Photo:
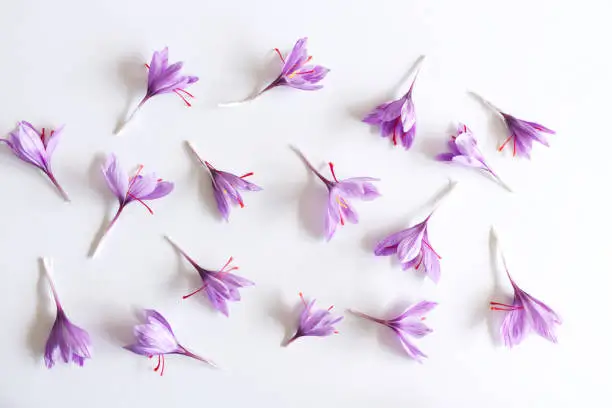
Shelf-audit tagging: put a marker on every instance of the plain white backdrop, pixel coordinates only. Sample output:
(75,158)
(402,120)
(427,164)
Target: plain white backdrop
(82,64)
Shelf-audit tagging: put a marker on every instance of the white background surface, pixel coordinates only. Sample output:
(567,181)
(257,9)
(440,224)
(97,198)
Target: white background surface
(81,64)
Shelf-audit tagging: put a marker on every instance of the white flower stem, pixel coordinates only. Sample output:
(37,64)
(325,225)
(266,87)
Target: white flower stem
(98,244)
(131,116)
(410,78)
(188,353)
(59,188)
(498,179)
(195,152)
(443,195)
(48,268)
(487,103)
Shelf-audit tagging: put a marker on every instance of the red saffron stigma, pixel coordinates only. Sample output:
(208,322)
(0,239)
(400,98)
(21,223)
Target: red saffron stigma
(52,132)
(158,363)
(308,59)
(341,220)
(330,308)
(241,204)
(302,297)
(249,174)
(142,202)
(336,332)
(433,250)
(194,292)
(504,144)
(183,98)
(305,72)
(279,55)
(163,365)
(42,135)
(331,167)
(147,65)
(419,264)
(185,92)
(423,318)
(514,147)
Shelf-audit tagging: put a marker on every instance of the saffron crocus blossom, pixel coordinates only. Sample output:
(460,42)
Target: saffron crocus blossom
(339,208)
(139,188)
(156,338)
(397,119)
(525,314)
(36,148)
(164,78)
(66,340)
(413,248)
(220,286)
(319,323)
(297,72)
(407,324)
(522,133)
(226,186)
(464,151)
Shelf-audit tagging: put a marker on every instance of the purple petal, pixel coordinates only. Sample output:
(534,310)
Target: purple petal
(26,143)
(162,189)
(410,246)
(431,264)
(52,140)
(410,348)
(389,244)
(414,328)
(446,157)
(407,138)
(142,186)
(417,310)
(297,57)
(116,178)
(513,328)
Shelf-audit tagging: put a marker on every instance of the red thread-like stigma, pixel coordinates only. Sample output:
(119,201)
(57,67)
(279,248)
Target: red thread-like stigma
(187,103)
(505,143)
(249,174)
(280,55)
(433,250)
(331,167)
(302,297)
(194,292)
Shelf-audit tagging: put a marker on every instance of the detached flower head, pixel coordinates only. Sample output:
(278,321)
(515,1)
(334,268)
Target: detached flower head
(139,188)
(156,338)
(408,324)
(522,133)
(396,119)
(339,209)
(66,340)
(164,78)
(413,248)
(319,323)
(297,72)
(524,315)
(220,286)
(227,186)
(464,151)
(36,148)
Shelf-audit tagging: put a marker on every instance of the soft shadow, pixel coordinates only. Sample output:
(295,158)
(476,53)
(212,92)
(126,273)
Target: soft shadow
(286,315)
(311,208)
(494,318)
(185,272)
(496,121)
(131,69)
(120,330)
(432,144)
(203,177)
(43,320)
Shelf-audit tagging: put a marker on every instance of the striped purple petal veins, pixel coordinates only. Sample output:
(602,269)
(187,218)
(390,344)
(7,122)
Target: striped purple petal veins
(315,322)
(155,338)
(297,72)
(226,186)
(66,341)
(524,315)
(220,286)
(339,209)
(407,324)
(162,79)
(36,148)
(138,188)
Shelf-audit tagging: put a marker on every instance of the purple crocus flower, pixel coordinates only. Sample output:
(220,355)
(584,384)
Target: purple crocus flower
(220,286)
(407,324)
(396,119)
(525,314)
(521,132)
(66,340)
(339,208)
(296,72)
(156,338)
(464,151)
(226,186)
(319,323)
(164,78)
(138,188)
(36,148)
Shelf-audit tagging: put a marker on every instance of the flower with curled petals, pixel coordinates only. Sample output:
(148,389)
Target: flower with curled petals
(226,186)
(36,148)
(524,315)
(220,286)
(407,324)
(162,79)
(318,323)
(397,119)
(297,72)
(156,338)
(464,151)
(339,208)
(521,133)
(66,340)
(413,248)
(139,188)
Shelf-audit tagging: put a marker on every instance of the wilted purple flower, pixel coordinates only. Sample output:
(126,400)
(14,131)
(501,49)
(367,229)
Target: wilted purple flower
(525,314)
(36,148)
(464,151)
(319,323)
(296,72)
(66,340)
(138,188)
(156,338)
(396,119)
(220,286)
(522,133)
(164,78)
(408,323)
(226,186)
(340,191)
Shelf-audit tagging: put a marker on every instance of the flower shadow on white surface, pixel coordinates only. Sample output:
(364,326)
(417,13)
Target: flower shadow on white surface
(132,71)
(312,207)
(184,279)
(204,184)
(119,328)
(287,315)
(43,319)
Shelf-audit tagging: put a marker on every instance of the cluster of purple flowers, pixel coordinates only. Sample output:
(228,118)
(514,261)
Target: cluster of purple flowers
(413,247)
